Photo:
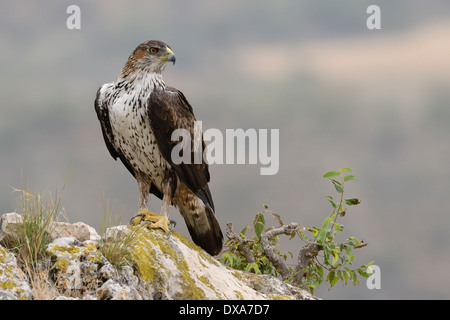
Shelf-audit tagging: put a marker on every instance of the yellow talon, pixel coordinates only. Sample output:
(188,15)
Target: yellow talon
(156,220)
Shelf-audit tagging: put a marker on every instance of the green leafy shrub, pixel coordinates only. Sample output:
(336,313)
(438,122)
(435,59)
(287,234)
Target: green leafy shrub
(321,260)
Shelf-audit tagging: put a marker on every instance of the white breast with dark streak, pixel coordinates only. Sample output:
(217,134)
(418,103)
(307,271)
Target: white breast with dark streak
(132,132)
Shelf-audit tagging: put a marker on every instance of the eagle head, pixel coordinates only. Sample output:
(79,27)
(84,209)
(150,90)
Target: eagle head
(150,56)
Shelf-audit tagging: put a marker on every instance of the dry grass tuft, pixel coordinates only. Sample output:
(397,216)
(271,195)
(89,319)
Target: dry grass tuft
(116,245)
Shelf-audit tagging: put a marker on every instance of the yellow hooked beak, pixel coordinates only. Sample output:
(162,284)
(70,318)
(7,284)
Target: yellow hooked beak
(169,56)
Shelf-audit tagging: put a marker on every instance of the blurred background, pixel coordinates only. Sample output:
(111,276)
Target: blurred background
(340,94)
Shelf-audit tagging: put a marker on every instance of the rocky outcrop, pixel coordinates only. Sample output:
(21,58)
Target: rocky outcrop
(161,266)
(13,281)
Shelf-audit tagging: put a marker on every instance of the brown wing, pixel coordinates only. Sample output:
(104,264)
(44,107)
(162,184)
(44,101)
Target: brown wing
(169,110)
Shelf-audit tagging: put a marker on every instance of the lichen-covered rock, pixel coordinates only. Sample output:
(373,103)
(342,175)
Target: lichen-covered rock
(13,282)
(175,268)
(161,266)
(77,264)
(273,288)
(79,269)
(78,230)
(8,223)
(112,290)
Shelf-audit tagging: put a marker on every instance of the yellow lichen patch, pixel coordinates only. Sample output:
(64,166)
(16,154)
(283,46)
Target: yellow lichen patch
(90,245)
(201,262)
(158,262)
(96,257)
(239,295)
(280,297)
(92,253)
(2,255)
(62,264)
(143,253)
(237,275)
(7,285)
(71,251)
(207,283)
(4,266)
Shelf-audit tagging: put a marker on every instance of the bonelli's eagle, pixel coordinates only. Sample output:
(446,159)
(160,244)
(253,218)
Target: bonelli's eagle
(138,114)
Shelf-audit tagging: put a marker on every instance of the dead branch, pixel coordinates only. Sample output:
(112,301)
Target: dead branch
(305,257)
(277,261)
(242,244)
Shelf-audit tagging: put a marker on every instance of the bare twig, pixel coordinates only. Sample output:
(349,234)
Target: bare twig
(277,261)
(305,256)
(242,244)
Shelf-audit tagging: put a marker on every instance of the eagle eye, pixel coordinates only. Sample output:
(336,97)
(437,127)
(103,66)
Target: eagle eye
(153,50)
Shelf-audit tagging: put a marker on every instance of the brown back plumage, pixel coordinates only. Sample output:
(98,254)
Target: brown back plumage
(169,110)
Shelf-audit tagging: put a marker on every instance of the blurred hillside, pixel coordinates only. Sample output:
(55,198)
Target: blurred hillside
(341,95)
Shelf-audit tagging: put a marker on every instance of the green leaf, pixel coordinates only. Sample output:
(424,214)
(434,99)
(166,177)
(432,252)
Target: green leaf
(354,239)
(335,257)
(350,177)
(313,230)
(363,273)
(331,200)
(337,186)
(229,257)
(354,277)
(259,224)
(346,169)
(349,250)
(345,277)
(278,218)
(320,271)
(326,222)
(352,201)
(338,227)
(292,235)
(330,275)
(243,232)
(322,235)
(332,278)
(331,174)
(252,266)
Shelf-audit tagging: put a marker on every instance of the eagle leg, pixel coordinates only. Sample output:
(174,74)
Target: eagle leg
(150,219)
(167,201)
